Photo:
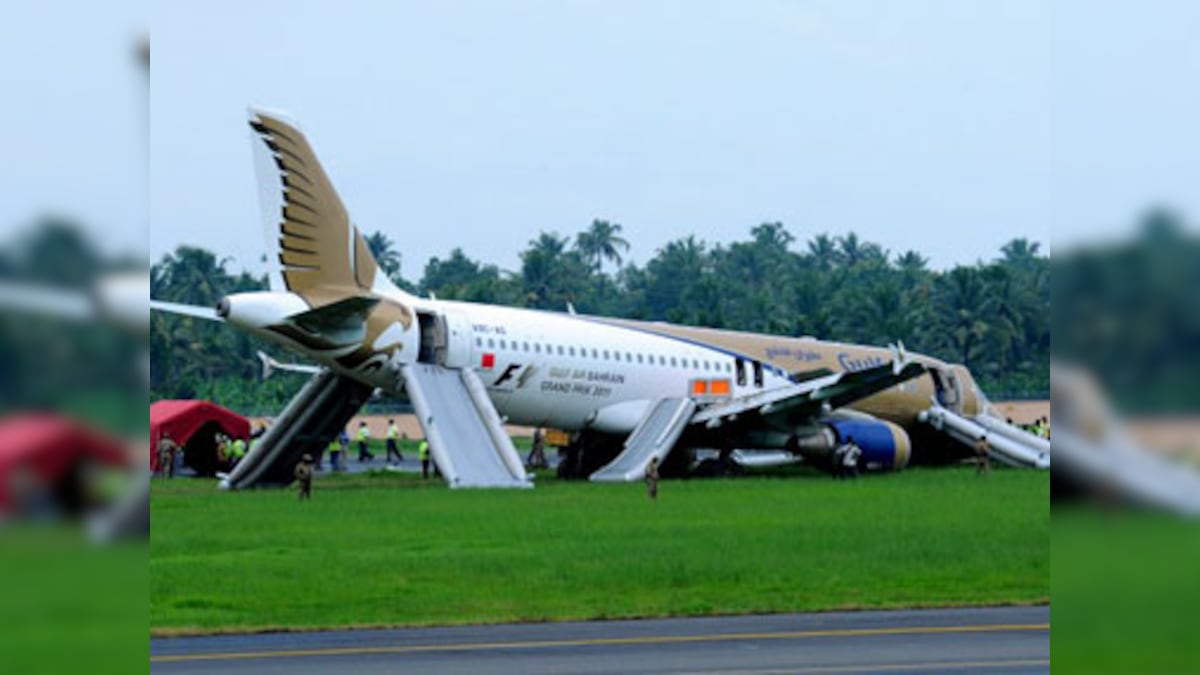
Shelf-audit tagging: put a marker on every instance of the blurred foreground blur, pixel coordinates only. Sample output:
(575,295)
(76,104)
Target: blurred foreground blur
(74,519)
(74,313)
(1126,444)
(1126,332)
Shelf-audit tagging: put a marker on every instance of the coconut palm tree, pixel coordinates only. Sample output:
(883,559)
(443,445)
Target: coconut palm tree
(385,254)
(825,252)
(601,242)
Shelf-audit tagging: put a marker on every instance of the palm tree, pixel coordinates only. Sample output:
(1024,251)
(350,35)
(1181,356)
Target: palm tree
(962,304)
(601,242)
(386,255)
(1021,254)
(551,274)
(912,263)
(823,249)
(855,251)
(190,275)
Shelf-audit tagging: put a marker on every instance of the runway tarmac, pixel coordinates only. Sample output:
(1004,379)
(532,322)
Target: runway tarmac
(991,640)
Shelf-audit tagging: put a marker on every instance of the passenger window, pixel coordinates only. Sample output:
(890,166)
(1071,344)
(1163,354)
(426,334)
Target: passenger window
(673,363)
(478,342)
(571,351)
(491,343)
(525,345)
(595,354)
(560,350)
(662,360)
(503,344)
(639,358)
(695,364)
(605,354)
(537,348)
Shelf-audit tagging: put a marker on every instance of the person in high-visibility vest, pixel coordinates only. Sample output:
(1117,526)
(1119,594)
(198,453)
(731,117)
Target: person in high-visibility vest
(393,433)
(363,434)
(339,447)
(237,450)
(423,454)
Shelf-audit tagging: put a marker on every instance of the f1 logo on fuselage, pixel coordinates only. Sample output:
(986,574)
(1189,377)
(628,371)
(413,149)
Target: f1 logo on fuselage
(513,377)
(507,375)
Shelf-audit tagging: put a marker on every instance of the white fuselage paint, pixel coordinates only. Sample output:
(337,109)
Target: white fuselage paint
(565,371)
(571,372)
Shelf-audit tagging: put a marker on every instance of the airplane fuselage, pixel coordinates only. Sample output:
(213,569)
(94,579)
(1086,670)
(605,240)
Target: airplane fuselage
(579,372)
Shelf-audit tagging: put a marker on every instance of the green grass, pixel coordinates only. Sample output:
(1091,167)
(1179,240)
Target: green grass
(389,550)
(1127,588)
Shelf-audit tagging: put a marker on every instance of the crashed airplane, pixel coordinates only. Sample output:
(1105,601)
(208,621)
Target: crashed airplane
(633,391)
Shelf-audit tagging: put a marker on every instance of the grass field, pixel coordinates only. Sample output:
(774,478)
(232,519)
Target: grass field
(388,550)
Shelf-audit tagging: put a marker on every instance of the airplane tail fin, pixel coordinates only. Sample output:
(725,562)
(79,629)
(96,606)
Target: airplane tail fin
(313,248)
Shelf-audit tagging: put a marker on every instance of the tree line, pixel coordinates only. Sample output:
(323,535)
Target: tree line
(993,316)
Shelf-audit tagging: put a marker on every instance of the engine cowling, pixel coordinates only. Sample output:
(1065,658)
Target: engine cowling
(885,446)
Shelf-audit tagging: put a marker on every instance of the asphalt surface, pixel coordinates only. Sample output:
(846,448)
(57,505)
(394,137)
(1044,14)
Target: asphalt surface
(991,640)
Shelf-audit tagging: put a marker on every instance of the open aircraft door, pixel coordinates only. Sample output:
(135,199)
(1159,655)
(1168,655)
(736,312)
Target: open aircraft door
(459,347)
(948,389)
(445,339)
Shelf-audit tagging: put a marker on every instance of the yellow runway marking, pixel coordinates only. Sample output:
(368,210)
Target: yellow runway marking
(894,667)
(646,640)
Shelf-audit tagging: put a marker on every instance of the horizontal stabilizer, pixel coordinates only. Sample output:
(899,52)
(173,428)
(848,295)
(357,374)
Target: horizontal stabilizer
(341,315)
(270,365)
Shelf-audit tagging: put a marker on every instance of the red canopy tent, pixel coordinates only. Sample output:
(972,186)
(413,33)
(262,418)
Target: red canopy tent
(182,420)
(47,448)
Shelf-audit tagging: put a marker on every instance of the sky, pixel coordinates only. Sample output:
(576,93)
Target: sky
(945,127)
(73,127)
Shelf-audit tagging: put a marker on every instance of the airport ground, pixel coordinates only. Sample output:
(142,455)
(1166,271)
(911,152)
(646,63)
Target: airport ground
(388,549)
(993,639)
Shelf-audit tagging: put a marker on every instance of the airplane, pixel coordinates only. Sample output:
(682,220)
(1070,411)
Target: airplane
(630,391)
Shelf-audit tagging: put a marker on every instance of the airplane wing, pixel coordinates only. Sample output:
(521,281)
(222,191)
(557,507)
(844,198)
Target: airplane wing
(803,401)
(206,313)
(67,304)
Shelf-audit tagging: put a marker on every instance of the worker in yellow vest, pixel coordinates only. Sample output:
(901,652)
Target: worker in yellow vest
(393,434)
(237,450)
(423,454)
(339,447)
(363,434)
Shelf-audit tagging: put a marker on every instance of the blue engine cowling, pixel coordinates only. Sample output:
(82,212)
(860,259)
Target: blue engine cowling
(885,446)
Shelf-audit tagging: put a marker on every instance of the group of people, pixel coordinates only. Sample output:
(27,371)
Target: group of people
(230,451)
(339,447)
(1040,428)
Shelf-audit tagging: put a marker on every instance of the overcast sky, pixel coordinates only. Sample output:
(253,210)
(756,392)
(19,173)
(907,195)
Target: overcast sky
(73,137)
(946,127)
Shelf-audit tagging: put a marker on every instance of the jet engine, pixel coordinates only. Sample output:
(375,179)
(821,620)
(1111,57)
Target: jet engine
(885,446)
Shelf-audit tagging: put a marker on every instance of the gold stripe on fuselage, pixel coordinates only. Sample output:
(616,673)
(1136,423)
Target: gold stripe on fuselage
(900,404)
